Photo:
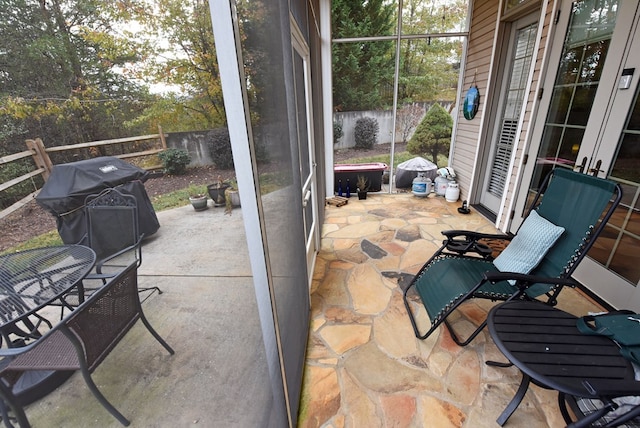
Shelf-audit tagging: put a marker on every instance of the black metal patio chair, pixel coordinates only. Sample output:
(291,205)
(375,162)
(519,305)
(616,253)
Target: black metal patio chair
(80,341)
(564,220)
(113,233)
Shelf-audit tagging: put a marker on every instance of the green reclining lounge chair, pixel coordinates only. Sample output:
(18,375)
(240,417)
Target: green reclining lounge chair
(463,268)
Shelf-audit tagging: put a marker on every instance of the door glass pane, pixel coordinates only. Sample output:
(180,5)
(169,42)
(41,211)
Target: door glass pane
(581,105)
(584,53)
(301,116)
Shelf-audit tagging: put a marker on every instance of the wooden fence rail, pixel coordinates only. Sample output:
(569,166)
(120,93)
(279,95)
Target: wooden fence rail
(44,165)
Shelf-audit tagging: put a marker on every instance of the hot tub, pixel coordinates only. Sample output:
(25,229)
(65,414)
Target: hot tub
(350,171)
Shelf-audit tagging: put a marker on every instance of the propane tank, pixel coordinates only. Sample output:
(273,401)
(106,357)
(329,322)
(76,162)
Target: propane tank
(421,185)
(441,185)
(453,192)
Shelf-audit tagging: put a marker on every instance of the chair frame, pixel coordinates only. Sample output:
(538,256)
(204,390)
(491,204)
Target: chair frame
(109,199)
(469,244)
(607,391)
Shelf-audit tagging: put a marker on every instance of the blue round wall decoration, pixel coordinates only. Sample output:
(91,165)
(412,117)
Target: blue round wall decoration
(471,103)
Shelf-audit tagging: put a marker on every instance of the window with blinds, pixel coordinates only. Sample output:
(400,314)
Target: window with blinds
(512,108)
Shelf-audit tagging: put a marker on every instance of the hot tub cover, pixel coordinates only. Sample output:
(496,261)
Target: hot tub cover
(408,170)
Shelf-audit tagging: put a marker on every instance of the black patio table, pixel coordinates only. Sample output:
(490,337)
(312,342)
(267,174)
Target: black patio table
(29,281)
(545,344)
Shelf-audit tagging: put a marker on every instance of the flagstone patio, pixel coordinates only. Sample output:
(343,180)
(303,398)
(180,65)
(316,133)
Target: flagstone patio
(365,367)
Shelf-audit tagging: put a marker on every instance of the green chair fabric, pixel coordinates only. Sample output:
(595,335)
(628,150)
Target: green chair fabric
(460,270)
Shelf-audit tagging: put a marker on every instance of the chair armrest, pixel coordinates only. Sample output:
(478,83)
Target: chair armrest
(134,247)
(525,280)
(466,241)
(471,235)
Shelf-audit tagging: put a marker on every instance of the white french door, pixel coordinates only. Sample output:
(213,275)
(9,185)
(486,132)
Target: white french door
(613,269)
(592,125)
(521,48)
(306,151)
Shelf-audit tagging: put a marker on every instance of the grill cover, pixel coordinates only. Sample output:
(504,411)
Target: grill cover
(69,184)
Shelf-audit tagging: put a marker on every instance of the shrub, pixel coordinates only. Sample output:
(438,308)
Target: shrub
(366,133)
(433,134)
(220,148)
(337,131)
(175,161)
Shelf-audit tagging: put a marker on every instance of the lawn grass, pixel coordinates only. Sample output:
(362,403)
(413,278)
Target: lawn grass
(177,198)
(45,240)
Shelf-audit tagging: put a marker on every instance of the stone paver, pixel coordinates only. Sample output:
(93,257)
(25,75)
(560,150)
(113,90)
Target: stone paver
(365,367)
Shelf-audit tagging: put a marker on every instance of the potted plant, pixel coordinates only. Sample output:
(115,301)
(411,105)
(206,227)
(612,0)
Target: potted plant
(217,192)
(232,196)
(198,201)
(362,186)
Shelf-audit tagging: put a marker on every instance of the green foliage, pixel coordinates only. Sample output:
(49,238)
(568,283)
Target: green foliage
(48,239)
(337,131)
(429,68)
(186,65)
(433,134)
(175,161)
(220,148)
(62,76)
(177,198)
(12,170)
(366,133)
(361,70)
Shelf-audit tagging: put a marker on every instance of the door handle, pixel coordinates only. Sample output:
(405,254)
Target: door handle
(306,199)
(582,165)
(596,170)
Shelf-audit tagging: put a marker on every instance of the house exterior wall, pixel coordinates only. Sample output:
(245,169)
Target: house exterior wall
(482,35)
(484,68)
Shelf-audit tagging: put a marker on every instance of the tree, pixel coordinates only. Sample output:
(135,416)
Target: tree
(429,68)
(60,72)
(408,118)
(362,70)
(433,135)
(183,59)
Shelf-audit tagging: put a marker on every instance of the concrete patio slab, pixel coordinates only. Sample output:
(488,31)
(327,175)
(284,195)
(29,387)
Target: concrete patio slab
(207,313)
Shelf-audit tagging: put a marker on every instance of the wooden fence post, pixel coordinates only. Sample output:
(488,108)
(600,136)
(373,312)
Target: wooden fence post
(40,156)
(162,139)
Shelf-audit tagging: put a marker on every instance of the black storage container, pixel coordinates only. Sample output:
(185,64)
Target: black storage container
(69,184)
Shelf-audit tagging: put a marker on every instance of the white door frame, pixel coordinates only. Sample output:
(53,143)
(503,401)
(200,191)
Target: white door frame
(309,184)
